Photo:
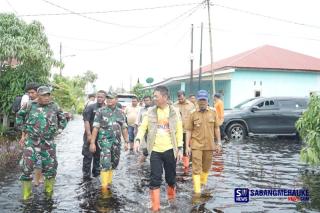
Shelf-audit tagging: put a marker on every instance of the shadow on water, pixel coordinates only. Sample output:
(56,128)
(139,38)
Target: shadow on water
(254,163)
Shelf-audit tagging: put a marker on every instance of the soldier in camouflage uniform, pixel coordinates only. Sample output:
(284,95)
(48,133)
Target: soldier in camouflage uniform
(109,123)
(40,122)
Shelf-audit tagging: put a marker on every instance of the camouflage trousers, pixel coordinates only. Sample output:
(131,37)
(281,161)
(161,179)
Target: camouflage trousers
(46,150)
(110,153)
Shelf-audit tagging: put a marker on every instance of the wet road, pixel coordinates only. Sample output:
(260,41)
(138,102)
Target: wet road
(255,163)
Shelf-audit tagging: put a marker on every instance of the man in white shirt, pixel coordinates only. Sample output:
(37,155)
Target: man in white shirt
(131,113)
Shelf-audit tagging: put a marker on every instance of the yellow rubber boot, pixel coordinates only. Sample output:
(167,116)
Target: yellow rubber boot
(48,186)
(196,184)
(110,174)
(104,179)
(26,189)
(204,178)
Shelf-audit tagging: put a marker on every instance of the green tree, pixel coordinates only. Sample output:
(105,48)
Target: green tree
(25,56)
(69,92)
(308,127)
(139,91)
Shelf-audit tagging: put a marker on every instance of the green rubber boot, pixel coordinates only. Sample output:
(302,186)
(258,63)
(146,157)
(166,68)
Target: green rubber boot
(48,186)
(26,189)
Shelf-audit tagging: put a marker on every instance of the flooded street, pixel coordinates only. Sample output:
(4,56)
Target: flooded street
(255,163)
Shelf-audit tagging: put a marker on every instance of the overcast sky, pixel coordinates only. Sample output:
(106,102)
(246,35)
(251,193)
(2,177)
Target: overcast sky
(120,44)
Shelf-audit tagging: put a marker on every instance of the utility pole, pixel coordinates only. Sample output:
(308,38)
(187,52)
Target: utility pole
(200,69)
(60,59)
(191,62)
(211,51)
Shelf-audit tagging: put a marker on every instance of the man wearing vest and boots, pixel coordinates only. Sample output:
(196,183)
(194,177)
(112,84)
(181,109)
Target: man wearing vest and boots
(164,144)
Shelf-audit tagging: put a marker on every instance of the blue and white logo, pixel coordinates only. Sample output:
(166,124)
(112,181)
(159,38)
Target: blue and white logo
(241,195)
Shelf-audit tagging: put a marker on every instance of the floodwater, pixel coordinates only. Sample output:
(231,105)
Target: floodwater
(255,164)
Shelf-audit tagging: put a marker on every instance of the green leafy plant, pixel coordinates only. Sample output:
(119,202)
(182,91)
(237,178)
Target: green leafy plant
(140,92)
(308,127)
(69,92)
(25,56)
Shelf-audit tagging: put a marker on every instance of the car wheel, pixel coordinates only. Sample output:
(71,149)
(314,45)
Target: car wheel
(236,132)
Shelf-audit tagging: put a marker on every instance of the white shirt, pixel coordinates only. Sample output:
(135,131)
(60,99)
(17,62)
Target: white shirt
(24,100)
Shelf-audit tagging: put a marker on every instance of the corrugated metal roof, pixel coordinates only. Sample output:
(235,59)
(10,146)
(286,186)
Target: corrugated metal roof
(268,57)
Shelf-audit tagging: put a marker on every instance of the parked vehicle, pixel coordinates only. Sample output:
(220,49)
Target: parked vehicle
(264,116)
(125,99)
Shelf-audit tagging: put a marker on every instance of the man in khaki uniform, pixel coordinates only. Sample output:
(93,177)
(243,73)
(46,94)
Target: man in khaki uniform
(185,107)
(201,130)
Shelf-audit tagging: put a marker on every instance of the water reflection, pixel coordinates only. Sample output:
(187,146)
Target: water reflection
(254,163)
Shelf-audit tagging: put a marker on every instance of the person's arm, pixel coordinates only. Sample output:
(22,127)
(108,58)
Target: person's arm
(20,118)
(179,137)
(125,135)
(217,134)
(87,130)
(86,118)
(189,128)
(96,126)
(94,134)
(141,132)
(62,121)
(188,140)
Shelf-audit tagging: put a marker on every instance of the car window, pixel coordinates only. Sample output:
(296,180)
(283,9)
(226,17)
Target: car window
(245,104)
(125,99)
(293,104)
(267,104)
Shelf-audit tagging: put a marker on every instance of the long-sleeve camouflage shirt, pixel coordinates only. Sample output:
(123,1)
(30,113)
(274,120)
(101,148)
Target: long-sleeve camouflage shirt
(41,122)
(110,123)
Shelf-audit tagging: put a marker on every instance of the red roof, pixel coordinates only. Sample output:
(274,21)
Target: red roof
(268,57)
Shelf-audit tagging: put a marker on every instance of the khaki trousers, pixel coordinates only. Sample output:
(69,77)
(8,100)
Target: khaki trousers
(201,161)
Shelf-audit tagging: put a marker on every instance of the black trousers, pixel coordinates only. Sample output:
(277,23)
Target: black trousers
(159,161)
(89,158)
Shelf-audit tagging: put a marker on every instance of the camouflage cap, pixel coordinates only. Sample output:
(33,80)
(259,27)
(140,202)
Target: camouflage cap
(111,95)
(43,90)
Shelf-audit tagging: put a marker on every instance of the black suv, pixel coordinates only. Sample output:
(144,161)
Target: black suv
(263,116)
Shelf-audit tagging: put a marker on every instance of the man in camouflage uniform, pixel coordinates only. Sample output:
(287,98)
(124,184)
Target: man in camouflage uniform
(40,122)
(88,157)
(109,123)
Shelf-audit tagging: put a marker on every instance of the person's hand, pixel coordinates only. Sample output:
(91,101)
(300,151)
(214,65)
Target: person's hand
(126,144)
(179,155)
(136,146)
(219,147)
(92,148)
(22,141)
(89,138)
(188,151)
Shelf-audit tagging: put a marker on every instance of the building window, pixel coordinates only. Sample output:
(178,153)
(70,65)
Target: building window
(257,93)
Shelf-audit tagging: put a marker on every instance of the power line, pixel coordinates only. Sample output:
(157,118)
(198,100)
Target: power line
(266,16)
(189,11)
(94,19)
(109,42)
(260,33)
(111,11)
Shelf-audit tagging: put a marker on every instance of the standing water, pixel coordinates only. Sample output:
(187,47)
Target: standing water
(255,164)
